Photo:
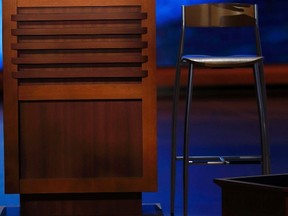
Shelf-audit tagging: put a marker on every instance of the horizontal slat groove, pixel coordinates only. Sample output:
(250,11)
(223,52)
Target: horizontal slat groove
(79,45)
(79,59)
(81,31)
(78,17)
(96,73)
(76,3)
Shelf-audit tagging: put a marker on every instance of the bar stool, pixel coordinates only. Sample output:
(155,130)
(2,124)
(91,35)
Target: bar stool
(217,15)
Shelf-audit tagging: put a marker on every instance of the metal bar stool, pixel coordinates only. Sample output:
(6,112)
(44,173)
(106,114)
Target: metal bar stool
(217,15)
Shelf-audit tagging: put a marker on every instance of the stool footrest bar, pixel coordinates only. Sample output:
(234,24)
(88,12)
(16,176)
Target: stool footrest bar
(254,159)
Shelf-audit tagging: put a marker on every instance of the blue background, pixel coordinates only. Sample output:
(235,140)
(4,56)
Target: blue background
(273,24)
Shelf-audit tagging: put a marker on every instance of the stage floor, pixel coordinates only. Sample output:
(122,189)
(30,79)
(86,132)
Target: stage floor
(147,210)
(224,121)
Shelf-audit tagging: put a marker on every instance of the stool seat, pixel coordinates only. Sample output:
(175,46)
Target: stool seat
(221,61)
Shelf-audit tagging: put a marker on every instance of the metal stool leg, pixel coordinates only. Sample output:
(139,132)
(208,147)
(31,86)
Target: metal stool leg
(186,141)
(174,138)
(261,98)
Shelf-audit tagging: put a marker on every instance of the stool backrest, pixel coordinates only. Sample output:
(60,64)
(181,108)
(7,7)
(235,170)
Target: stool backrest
(219,15)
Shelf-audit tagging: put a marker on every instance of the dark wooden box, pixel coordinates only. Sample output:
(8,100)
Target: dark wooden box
(255,195)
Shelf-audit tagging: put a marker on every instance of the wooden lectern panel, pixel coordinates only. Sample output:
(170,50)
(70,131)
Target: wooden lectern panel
(90,139)
(79,96)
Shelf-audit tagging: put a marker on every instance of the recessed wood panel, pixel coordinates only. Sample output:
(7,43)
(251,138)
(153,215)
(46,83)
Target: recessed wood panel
(81,139)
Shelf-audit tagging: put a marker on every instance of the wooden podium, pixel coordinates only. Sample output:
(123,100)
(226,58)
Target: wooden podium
(79,105)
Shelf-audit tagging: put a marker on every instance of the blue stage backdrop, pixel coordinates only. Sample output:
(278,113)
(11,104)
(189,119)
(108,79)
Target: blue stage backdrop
(273,23)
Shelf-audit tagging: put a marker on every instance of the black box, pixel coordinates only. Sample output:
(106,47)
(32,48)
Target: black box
(265,195)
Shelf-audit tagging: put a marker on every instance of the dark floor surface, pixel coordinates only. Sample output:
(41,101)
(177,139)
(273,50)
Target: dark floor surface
(223,122)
